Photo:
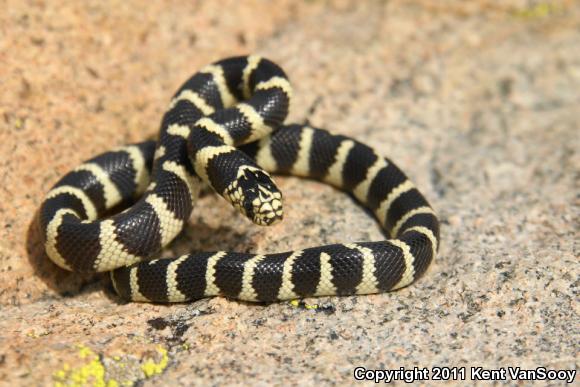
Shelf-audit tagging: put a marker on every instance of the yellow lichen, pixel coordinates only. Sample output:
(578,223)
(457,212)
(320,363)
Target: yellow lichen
(297,303)
(35,335)
(150,367)
(538,11)
(93,372)
(85,352)
(61,374)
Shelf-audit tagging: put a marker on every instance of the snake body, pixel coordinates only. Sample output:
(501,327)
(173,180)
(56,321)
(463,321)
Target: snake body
(224,128)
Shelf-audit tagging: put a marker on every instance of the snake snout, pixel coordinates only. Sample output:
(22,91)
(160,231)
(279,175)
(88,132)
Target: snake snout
(263,201)
(267,206)
(256,196)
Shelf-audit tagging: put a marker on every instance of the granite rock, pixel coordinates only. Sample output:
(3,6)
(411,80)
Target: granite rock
(476,101)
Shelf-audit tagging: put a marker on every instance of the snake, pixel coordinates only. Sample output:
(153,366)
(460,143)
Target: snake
(224,128)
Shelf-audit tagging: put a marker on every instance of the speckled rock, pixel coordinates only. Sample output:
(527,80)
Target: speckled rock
(477,101)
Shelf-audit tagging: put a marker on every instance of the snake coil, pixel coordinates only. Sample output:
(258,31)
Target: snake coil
(224,128)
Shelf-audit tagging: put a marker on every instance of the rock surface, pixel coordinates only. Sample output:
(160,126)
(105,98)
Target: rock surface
(476,101)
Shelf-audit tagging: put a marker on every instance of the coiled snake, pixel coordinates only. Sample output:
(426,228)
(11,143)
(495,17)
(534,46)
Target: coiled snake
(224,128)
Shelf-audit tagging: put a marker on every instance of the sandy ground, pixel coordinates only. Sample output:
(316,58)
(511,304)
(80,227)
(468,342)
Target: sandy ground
(477,101)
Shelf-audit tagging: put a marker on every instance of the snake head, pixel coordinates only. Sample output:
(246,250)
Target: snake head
(256,196)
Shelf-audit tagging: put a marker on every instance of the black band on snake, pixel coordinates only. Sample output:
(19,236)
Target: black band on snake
(224,128)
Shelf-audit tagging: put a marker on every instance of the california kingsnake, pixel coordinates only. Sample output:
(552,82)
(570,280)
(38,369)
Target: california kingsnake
(199,134)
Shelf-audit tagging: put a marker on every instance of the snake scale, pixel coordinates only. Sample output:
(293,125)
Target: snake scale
(224,127)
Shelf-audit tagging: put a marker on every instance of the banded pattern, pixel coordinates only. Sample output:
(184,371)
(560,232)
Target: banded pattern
(203,112)
(223,127)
